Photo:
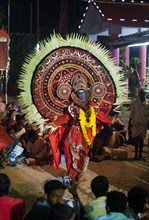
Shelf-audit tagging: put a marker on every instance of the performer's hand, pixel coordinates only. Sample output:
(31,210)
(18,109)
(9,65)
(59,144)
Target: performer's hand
(115,120)
(51,128)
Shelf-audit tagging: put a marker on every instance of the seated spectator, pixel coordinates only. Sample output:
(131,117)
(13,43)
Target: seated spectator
(25,137)
(14,149)
(62,212)
(115,205)
(121,131)
(10,208)
(37,149)
(102,139)
(9,107)
(54,190)
(97,207)
(106,134)
(10,119)
(138,202)
(5,140)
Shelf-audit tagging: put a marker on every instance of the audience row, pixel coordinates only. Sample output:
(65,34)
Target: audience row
(107,204)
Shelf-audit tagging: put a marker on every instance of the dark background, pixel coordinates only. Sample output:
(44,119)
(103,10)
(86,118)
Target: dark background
(25,30)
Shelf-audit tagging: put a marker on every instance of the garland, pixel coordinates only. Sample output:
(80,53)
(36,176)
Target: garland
(91,123)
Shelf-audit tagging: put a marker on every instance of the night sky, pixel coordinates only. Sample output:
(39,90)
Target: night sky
(20,14)
(49,15)
(23,38)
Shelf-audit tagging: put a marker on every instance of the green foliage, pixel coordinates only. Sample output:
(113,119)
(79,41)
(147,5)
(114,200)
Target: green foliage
(132,68)
(131,72)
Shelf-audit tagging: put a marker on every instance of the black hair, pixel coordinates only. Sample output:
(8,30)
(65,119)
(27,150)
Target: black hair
(4,184)
(31,134)
(100,185)
(116,201)
(137,197)
(51,185)
(61,211)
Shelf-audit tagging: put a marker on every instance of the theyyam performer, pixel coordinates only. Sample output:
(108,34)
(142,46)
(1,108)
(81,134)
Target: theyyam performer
(70,86)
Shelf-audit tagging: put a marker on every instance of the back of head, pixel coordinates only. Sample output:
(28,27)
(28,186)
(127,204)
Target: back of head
(116,201)
(99,186)
(60,211)
(137,197)
(52,184)
(4,184)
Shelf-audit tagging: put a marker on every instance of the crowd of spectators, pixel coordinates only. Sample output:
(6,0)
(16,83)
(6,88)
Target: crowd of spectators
(107,205)
(20,141)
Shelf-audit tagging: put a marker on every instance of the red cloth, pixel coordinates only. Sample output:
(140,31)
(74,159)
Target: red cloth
(5,139)
(55,140)
(70,138)
(11,208)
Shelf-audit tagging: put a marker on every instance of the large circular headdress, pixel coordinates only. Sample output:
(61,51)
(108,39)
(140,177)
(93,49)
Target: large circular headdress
(46,81)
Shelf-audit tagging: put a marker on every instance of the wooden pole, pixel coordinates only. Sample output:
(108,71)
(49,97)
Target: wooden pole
(8,61)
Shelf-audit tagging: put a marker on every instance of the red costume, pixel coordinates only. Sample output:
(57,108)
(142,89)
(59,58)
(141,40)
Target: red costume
(68,74)
(70,138)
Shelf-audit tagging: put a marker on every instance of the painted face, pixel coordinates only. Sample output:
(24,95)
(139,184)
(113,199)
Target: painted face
(81,94)
(56,196)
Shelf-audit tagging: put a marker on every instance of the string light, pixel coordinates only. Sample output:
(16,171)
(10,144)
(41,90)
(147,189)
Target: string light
(139,44)
(109,19)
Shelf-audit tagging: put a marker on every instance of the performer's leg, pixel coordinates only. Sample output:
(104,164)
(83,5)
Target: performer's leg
(55,139)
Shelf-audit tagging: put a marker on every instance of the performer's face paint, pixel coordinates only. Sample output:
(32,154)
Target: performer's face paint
(81,94)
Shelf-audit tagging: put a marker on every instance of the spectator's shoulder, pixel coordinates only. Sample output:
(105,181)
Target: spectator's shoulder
(76,205)
(40,210)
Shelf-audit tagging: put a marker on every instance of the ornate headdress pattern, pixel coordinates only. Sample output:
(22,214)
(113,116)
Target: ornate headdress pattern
(60,67)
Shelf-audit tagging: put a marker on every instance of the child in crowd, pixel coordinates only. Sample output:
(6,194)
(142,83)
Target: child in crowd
(99,187)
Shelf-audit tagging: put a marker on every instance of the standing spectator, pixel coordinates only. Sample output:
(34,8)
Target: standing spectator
(10,208)
(139,123)
(116,205)
(138,202)
(97,207)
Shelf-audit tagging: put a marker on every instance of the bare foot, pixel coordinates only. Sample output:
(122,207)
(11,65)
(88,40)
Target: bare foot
(82,178)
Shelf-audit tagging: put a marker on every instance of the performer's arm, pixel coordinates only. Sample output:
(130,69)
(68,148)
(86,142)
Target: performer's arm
(62,120)
(105,118)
